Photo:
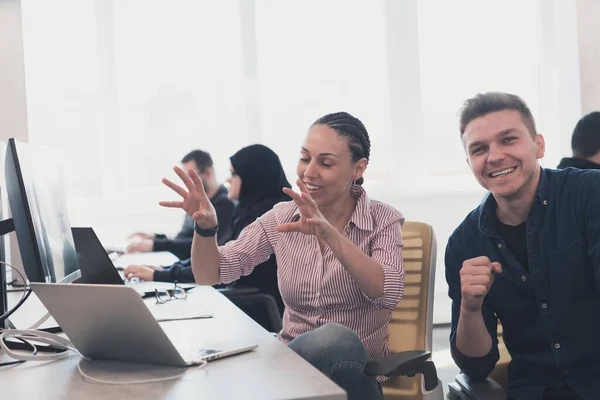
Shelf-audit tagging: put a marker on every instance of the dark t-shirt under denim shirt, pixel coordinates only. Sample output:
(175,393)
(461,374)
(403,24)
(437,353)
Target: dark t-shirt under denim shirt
(550,313)
(515,239)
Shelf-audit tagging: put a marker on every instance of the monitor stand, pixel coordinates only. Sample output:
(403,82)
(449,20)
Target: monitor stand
(6,226)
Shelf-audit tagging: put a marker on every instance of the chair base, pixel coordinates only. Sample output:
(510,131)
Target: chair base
(454,392)
(436,393)
(465,388)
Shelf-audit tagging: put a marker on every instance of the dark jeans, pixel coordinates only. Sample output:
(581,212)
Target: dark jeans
(337,352)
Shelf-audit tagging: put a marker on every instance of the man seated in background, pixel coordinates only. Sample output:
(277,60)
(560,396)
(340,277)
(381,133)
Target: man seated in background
(201,162)
(256,183)
(585,144)
(528,255)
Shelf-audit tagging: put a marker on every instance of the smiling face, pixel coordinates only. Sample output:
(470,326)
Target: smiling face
(503,154)
(326,165)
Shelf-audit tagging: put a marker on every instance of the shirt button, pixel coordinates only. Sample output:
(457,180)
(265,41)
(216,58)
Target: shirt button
(523,278)
(499,245)
(545,202)
(544,306)
(557,345)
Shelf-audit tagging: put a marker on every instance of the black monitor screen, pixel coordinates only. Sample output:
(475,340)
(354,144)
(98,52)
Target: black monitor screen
(37,201)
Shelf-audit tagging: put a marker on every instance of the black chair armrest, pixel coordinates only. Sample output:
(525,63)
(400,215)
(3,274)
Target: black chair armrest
(397,364)
(234,291)
(406,363)
(466,388)
(253,296)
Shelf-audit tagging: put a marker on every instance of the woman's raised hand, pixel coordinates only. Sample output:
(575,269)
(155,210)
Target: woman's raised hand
(194,201)
(311,220)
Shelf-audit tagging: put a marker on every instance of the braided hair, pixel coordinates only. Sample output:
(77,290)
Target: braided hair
(353,130)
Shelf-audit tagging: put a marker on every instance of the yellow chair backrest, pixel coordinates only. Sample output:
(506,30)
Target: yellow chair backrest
(411,325)
(499,374)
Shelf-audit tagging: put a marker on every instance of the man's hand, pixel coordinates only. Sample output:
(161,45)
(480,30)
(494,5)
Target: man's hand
(144,272)
(476,279)
(141,246)
(141,235)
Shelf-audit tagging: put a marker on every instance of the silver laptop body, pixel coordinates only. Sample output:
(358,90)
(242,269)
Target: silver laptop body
(111,322)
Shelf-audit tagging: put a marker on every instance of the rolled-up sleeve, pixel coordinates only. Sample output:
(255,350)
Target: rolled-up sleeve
(386,248)
(253,247)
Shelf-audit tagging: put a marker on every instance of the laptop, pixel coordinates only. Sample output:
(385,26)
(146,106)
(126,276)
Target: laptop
(97,267)
(111,322)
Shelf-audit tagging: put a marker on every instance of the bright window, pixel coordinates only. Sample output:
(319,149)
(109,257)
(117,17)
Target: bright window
(126,88)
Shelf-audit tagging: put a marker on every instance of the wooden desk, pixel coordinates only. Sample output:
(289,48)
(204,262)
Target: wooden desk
(272,371)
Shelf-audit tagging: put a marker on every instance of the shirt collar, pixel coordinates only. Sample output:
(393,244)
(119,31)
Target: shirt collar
(361,216)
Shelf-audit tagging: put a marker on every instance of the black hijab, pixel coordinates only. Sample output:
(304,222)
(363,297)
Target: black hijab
(262,182)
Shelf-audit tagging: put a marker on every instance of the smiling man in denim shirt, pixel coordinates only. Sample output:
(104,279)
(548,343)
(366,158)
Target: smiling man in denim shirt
(529,255)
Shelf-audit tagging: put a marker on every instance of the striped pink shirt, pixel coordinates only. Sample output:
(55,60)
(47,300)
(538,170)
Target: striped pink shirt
(315,287)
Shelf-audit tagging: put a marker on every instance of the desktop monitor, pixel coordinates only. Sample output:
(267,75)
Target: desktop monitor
(3,282)
(5,228)
(36,197)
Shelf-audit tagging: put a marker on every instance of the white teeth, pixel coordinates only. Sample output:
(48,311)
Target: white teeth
(312,187)
(503,172)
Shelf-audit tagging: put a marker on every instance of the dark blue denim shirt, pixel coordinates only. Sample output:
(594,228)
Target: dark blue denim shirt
(550,314)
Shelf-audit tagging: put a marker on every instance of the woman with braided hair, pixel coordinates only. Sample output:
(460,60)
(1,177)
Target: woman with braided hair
(338,252)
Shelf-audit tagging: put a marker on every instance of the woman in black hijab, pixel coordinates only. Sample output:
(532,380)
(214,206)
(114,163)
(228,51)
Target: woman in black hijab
(256,182)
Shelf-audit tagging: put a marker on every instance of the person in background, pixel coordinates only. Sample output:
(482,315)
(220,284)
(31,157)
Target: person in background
(201,162)
(338,254)
(529,256)
(256,183)
(585,144)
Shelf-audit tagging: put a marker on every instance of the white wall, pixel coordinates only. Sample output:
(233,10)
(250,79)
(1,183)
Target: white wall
(560,97)
(13,111)
(13,115)
(589,54)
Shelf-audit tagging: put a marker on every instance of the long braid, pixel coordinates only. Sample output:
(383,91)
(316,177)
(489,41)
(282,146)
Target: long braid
(354,130)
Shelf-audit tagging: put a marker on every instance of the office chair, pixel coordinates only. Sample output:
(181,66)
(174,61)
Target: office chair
(500,372)
(243,297)
(412,323)
(493,388)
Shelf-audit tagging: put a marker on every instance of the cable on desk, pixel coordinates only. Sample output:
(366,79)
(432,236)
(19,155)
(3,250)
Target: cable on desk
(27,291)
(26,294)
(40,321)
(51,339)
(33,348)
(27,336)
(139,381)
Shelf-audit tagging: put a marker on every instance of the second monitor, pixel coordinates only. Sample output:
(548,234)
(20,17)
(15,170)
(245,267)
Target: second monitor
(36,197)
